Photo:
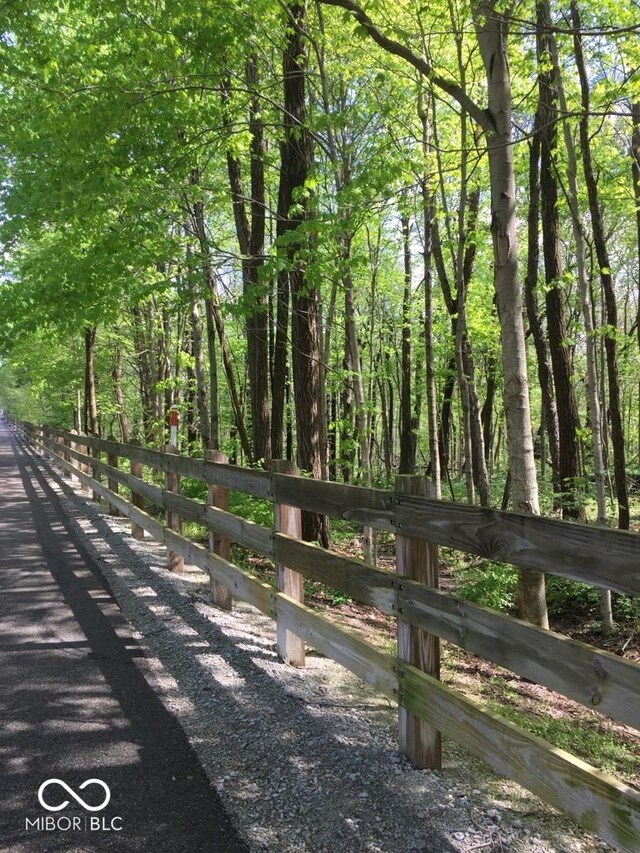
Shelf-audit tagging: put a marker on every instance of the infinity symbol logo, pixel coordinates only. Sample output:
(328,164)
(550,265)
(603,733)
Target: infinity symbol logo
(72,793)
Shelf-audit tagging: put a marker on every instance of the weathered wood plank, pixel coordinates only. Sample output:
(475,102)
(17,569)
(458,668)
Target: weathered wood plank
(600,556)
(243,532)
(418,560)
(146,521)
(597,801)
(136,469)
(242,584)
(352,577)
(596,679)
(239,530)
(233,477)
(352,503)
(340,644)
(95,473)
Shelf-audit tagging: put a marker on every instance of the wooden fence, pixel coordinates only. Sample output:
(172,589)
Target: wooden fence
(604,557)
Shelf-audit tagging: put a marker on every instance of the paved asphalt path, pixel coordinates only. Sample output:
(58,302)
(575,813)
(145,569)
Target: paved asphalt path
(74,705)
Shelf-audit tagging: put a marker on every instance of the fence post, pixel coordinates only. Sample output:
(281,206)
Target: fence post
(288,519)
(59,452)
(221,545)
(73,445)
(83,448)
(47,440)
(175,563)
(113,485)
(95,472)
(418,560)
(137,500)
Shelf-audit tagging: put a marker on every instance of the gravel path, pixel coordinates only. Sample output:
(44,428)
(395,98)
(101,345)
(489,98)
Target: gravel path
(302,760)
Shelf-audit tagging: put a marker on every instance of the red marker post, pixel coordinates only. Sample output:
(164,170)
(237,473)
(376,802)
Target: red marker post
(174,423)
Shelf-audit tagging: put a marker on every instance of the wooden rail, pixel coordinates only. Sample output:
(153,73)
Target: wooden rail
(588,675)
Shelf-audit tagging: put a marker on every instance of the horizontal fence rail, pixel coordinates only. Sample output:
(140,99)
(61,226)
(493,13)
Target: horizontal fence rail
(595,678)
(599,556)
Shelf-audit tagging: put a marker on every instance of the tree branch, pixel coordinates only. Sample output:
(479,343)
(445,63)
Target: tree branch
(403,52)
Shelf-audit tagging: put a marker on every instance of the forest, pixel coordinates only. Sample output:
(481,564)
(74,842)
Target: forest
(376,238)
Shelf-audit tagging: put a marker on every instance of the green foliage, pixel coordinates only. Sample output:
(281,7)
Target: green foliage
(487,583)
(330,597)
(566,596)
(599,745)
(194,489)
(253,509)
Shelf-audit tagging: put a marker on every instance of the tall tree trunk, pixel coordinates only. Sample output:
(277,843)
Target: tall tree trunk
(362,427)
(214,424)
(144,372)
(486,414)
(250,232)
(568,417)
(90,402)
(606,279)
(215,320)
(545,379)
(123,420)
(428,216)
(204,424)
(280,368)
(227,364)
(492,31)
(407,435)
(308,372)
(256,289)
(462,361)
(635,165)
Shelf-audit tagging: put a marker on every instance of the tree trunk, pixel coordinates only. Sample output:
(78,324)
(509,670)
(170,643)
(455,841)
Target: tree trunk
(204,425)
(545,379)
(227,363)
(635,165)
(407,435)
(123,420)
(492,31)
(144,372)
(250,233)
(568,417)
(216,321)
(90,402)
(362,427)
(308,370)
(428,216)
(486,414)
(214,424)
(606,279)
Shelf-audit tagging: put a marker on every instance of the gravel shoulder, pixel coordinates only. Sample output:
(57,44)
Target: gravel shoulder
(303,760)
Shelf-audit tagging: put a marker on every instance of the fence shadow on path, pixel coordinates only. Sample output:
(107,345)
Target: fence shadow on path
(80,707)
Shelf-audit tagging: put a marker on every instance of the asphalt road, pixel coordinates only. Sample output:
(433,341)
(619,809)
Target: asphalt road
(75,706)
